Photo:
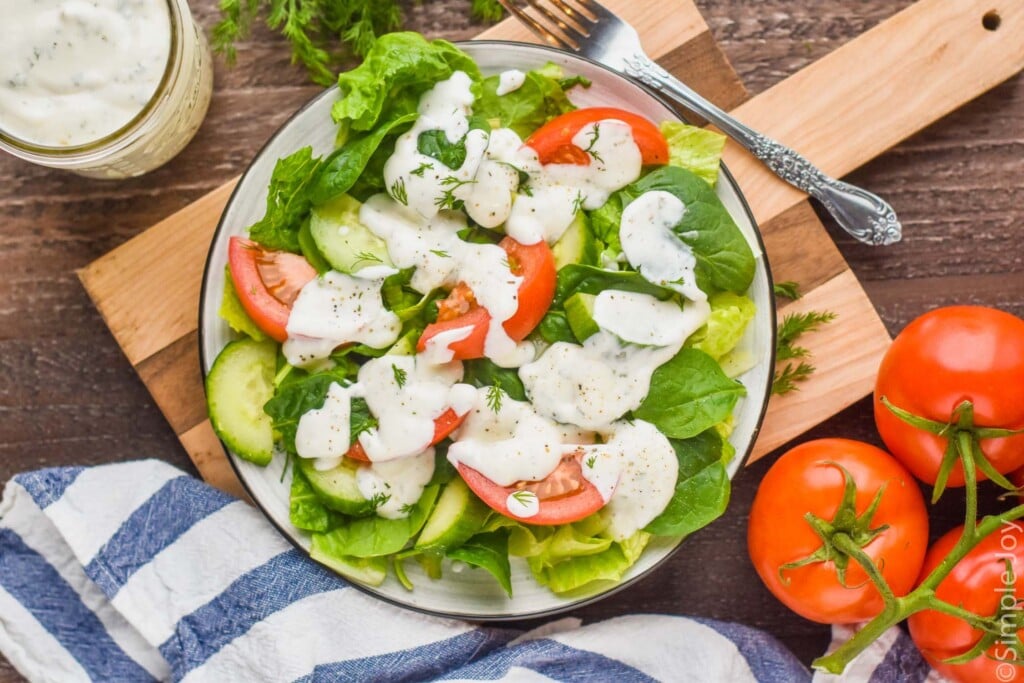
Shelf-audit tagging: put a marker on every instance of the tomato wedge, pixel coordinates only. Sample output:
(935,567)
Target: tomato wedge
(444,425)
(536,265)
(553,140)
(564,495)
(267,283)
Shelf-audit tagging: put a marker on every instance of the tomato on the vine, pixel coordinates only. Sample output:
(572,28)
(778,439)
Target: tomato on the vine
(815,478)
(978,584)
(941,359)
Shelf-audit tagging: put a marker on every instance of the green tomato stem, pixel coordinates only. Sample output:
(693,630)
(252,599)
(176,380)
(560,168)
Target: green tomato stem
(847,545)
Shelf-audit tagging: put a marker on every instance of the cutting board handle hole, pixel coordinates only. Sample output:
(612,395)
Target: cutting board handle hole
(991,20)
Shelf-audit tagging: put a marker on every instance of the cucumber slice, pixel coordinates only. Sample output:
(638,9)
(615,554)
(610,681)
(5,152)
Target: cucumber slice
(577,244)
(337,487)
(579,312)
(457,516)
(347,244)
(240,382)
(309,249)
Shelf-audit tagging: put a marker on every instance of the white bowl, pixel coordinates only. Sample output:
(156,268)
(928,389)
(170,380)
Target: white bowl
(474,594)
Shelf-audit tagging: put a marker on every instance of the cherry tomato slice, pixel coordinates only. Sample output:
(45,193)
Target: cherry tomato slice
(536,265)
(267,283)
(564,495)
(553,140)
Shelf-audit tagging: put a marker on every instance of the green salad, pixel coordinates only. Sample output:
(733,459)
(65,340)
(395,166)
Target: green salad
(489,324)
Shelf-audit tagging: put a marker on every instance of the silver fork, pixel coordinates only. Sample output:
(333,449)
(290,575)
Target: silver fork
(591,30)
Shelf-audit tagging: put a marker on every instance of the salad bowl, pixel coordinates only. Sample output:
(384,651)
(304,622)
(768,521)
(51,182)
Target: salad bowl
(474,594)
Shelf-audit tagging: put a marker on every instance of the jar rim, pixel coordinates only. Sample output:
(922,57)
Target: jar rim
(71,151)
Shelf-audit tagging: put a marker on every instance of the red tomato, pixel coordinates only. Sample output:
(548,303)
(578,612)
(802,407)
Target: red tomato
(553,140)
(536,265)
(444,425)
(564,495)
(977,585)
(267,283)
(806,480)
(942,358)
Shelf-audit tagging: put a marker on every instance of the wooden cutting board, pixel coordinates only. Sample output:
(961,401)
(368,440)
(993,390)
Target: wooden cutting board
(841,112)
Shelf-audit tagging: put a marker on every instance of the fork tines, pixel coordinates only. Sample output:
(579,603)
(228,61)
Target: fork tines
(562,23)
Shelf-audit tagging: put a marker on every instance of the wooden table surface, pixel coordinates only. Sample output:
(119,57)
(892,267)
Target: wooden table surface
(68,396)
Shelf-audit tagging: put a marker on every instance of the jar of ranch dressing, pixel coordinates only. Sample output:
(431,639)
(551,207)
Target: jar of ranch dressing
(104,88)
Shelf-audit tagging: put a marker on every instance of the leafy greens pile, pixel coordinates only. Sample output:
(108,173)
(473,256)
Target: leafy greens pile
(691,398)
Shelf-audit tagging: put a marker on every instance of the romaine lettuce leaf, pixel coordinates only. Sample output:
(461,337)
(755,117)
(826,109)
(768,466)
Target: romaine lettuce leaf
(696,149)
(688,395)
(369,570)
(396,71)
(702,489)
(232,312)
(375,536)
(539,99)
(730,315)
(724,258)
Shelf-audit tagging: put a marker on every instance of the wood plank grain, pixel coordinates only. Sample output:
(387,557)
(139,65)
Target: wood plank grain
(846,357)
(878,89)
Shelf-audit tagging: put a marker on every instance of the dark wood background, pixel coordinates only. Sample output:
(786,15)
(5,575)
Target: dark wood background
(68,396)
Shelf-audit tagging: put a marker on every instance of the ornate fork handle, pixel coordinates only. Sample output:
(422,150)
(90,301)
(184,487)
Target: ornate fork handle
(864,215)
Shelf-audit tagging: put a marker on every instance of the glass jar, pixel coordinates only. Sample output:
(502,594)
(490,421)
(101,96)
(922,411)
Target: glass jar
(160,130)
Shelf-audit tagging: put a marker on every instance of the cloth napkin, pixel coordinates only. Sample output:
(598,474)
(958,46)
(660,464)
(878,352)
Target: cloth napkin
(139,572)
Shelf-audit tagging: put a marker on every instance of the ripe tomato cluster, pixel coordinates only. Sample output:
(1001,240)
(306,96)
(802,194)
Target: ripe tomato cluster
(839,529)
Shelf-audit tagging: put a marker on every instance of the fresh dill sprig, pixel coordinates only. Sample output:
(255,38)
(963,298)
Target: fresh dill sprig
(398,191)
(792,327)
(422,168)
(595,135)
(440,252)
(524,498)
(448,200)
(407,508)
(590,461)
(577,203)
(400,375)
(494,398)
(366,257)
(789,376)
(787,290)
(379,499)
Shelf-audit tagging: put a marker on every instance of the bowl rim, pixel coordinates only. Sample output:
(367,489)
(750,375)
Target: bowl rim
(575,604)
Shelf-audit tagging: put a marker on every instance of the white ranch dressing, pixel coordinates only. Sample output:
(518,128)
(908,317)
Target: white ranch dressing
(510,444)
(399,482)
(75,71)
(437,349)
(557,191)
(509,81)
(593,385)
(652,248)
(635,473)
(406,395)
(323,433)
(642,318)
(336,309)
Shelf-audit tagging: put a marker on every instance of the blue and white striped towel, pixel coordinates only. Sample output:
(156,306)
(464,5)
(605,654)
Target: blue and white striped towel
(136,571)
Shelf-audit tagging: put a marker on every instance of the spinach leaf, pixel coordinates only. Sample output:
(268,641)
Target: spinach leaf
(434,143)
(288,201)
(482,372)
(301,392)
(375,536)
(575,277)
(305,510)
(554,327)
(343,167)
(396,71)
(539,99)
(489,551)
(702,489)
(724,258)
(688,395)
